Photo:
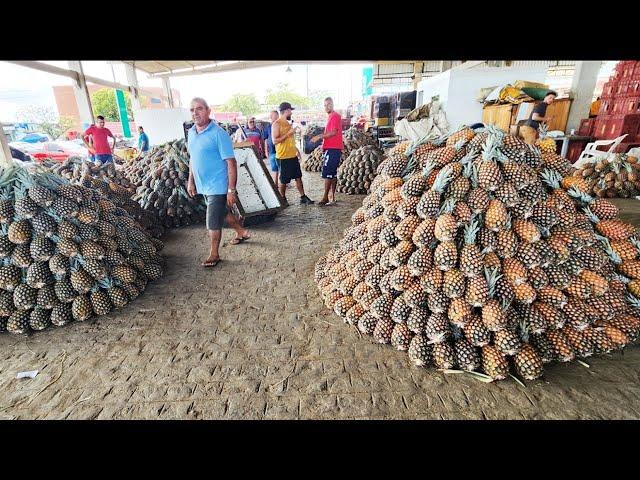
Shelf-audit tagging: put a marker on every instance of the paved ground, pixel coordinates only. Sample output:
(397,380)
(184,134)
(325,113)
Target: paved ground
(251,339)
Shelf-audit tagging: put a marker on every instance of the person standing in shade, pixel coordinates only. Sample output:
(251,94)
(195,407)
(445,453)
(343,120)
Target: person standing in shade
(270,148)
(332,146)
(287,154)
(99,145)
(213,173)
(143,141)
(254,135)
(529,131)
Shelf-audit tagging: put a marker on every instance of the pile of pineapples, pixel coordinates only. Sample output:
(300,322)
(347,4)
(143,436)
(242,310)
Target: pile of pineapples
(469,255)
(112,183)
(313,162)
(67,253)
(357,172)
(615,176)
(161,177)
(352,139)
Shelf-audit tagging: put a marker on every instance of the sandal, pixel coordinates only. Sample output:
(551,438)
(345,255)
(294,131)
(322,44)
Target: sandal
(211,263)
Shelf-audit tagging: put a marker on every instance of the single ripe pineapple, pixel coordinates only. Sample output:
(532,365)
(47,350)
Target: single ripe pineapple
(545,143)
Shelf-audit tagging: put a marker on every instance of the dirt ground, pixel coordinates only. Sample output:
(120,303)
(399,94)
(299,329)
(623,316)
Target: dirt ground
(251,339)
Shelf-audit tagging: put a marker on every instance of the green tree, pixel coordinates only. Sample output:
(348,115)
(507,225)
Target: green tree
(46,119)
(284,93)
(104,103)
(316,98)
(246,103)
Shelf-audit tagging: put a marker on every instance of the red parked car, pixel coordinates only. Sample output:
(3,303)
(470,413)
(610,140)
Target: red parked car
(52,151)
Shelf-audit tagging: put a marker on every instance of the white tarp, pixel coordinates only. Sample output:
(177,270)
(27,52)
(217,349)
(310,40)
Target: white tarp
(430,119)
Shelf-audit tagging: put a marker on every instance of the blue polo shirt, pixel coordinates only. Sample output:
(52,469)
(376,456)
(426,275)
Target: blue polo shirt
(266,135)
(143,142)
(209,150)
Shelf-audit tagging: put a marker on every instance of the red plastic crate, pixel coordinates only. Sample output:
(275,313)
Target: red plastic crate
(606,106)
(608,89)
(575,149)
(628,105)
(586,127)
(626,146)
(622,87)
(616,125)
(600,126)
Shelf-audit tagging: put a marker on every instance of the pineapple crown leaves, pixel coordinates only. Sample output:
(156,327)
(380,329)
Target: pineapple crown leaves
(590,215)
(551,178)
(467,170)
(457,332)
(633,301)
(470,232)
(508,221)
(460,144)
(442,180)
(546,233)
(580,195)
(621,278)
(492,276)
(447,206)
(489,148)
(636,243)
(5,262)
(428,168)
(106,283)
(524,330)
(474,175)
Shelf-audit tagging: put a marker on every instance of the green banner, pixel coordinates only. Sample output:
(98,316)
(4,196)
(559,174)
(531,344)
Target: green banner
(124,119)
(367,78)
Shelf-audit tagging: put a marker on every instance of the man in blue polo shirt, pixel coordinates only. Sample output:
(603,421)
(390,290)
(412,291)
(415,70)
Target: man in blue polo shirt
(213,173)
(270,148)
(143,141)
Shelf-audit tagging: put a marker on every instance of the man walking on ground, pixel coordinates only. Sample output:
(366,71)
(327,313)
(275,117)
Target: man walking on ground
(270,148)
(143,141)
(287,154)
(332,146)
(213,173)
(99,144)
(529,131)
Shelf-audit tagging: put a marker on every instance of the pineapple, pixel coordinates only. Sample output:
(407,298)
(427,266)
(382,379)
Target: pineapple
(446,227)
(415,296)
(367,324)
(44,225)
(478,291)
(354,314)
(432,281)
(487,240)
(528,363)
(563,350)
(414,186)
(421,261)
(400,311)
(454,283)
(429,204)
(444,356)
(21,256)
(81,308)
(524,293)
(544,143)
(494,363)
(406,228)
(381,307)
(25,297)
(437,328)
(424,234)
(507,342)
(493,316)
(508,194)
(446,255)
(467,357)
(39,319)
(579,341)
(496,216)
(478,200)
(401,337)
(470,256)
(61,314)
(417,320)
(544,347)
(438,302)
(46,297)
(420,351)
(341,307)
(476,332)
(38,275)
(20,232)
(458,312)
(42,249)
(383,330)
(18,322)
(514,271)
(506,244)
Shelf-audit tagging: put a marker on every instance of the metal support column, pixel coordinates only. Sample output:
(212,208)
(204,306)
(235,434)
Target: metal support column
(417,74)
(166,84)
(132,79)
(82,95)
(582,87)
(5,152)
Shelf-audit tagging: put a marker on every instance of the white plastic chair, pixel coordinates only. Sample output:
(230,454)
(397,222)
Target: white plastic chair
(591,152)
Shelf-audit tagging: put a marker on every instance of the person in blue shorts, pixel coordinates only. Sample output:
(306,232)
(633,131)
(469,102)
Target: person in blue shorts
(270,148)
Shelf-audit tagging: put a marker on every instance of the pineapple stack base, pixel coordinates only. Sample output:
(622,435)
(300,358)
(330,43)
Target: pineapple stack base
(469,255)
(66,253)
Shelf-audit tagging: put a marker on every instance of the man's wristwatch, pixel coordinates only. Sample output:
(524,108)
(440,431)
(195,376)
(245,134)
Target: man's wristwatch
(231,190)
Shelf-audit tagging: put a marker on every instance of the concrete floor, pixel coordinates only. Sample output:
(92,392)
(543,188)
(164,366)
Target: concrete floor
(251,339)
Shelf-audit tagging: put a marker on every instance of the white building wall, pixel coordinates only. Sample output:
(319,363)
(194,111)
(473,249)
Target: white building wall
(162,125)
